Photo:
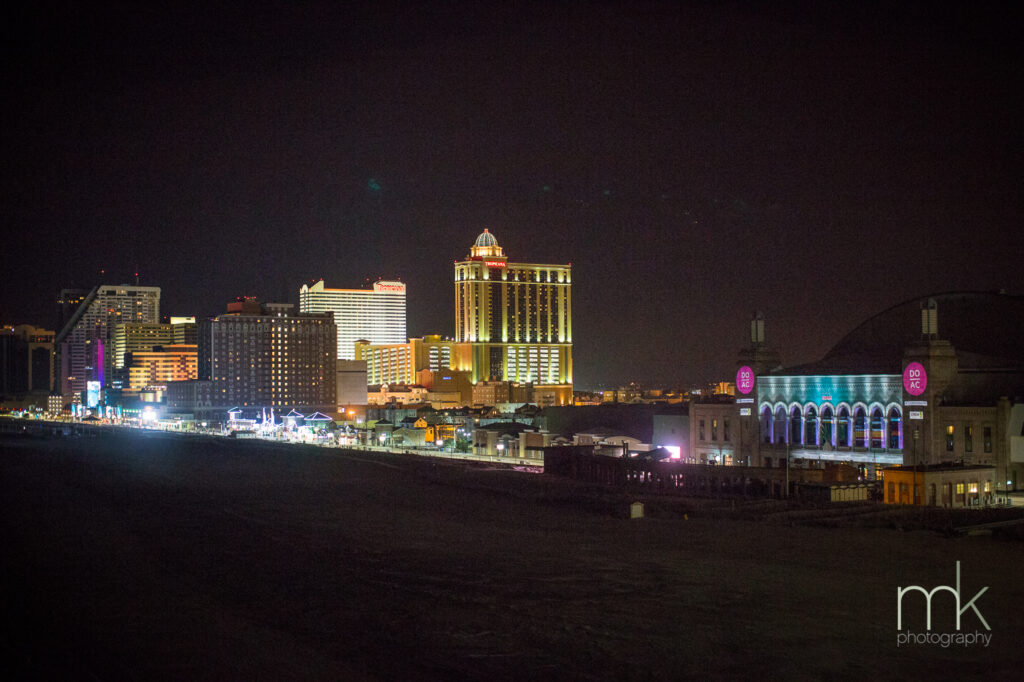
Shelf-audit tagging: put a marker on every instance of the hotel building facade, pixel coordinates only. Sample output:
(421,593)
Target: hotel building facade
(260,356)
(85,344)
(160,365)
(374,315)
(132,337)
(398,363)
(516,316)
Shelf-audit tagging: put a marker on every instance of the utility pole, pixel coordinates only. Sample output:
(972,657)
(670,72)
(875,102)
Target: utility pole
(787,464)
(914,488)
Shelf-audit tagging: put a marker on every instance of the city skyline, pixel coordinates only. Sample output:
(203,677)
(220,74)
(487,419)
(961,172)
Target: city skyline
(816,163)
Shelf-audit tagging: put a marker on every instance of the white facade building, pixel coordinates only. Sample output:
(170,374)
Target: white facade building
(376,315)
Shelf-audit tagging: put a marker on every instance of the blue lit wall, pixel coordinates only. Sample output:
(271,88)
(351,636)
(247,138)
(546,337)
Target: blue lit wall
(851,389)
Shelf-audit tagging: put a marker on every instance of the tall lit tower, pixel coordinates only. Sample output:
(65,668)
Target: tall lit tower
(516,315)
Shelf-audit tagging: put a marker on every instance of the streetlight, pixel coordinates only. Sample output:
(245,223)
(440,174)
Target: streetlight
(501,447)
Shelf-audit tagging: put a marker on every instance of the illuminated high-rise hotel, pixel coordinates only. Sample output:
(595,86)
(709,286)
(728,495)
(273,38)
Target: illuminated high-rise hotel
(376,315)
(264,355)
(516,315)
(85,344)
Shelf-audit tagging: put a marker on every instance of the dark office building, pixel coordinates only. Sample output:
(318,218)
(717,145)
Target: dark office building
(26,360)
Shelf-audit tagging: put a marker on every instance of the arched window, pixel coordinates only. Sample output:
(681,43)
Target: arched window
(780,433)
(766,425)
(877,428)
(826,430)
(811,426)
(843,431)
(795,426)
(860,427)
(895,429)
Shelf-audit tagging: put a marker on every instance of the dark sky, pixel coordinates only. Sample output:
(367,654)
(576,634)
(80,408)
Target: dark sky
(818,162)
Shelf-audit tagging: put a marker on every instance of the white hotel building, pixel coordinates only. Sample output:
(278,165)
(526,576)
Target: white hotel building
(376,315)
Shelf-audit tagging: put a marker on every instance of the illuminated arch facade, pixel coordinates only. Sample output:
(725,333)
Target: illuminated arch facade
(847,417)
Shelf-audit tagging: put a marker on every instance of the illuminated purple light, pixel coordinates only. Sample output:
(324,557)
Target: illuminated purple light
(915,378)
(744,380)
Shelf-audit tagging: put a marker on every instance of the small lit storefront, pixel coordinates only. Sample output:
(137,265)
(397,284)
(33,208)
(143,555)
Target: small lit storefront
(940,485)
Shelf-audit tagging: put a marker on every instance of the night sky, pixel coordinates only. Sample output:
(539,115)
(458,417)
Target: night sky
(819,163)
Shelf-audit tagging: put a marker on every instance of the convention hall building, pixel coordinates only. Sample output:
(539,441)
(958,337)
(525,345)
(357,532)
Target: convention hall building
(933,380)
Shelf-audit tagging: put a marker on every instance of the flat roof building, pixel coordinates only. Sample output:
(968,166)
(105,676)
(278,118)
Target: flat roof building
(160,365)
(26,360)
(940,485)
(374,315)
(398,363)
(131,337)
(265,356)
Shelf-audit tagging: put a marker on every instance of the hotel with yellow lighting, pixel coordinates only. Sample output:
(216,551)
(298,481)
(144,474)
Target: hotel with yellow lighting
(399,363)
(517,316)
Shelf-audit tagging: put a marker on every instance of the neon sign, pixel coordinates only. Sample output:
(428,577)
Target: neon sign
(397,287)
(494,263)
(915,379)
(744,380)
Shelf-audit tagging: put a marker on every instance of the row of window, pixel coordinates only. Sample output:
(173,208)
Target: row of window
(968,439)
(714,430)
(970,488)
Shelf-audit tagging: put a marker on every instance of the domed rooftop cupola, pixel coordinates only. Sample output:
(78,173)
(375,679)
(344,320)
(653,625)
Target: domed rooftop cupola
(486,246)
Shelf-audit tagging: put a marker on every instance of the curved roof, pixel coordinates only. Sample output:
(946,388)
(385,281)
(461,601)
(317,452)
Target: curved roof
(486,239)
(985,328)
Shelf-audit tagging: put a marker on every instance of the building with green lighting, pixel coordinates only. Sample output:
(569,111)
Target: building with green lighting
(897,390)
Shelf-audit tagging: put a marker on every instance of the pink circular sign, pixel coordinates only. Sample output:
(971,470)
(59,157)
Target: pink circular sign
(744,380)
(915,379)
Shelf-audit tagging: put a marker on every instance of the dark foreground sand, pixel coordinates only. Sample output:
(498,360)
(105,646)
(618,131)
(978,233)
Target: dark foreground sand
(159,557)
